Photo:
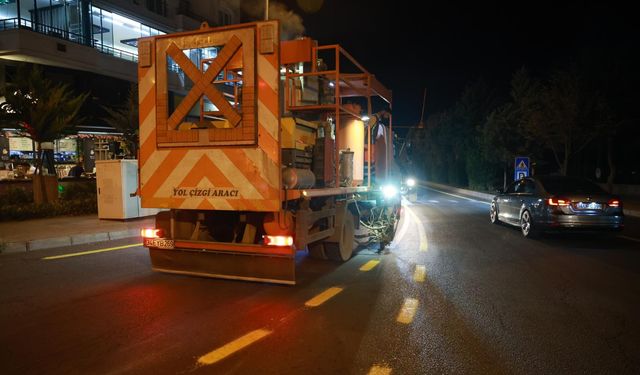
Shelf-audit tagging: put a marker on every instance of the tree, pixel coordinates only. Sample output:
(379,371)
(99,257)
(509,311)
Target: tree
(41,110)
(564,114)
(125,119)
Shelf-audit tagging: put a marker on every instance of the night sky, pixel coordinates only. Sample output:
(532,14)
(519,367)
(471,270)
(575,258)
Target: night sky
(448,45)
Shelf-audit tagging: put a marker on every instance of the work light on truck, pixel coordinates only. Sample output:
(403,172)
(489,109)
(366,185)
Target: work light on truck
(389,191)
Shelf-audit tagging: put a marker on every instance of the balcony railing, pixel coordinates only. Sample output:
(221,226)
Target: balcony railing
(15,23)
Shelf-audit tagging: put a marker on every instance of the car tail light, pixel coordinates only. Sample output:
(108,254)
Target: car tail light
(554,201)
(278,240)
(614,203)
(151,233)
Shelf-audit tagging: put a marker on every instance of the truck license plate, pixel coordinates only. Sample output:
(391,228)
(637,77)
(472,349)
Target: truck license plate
(159,243)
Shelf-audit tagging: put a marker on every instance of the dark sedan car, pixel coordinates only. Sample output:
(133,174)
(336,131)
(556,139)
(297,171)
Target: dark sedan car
(541,203)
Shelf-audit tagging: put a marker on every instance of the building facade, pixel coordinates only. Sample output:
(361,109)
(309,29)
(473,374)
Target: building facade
(92,45)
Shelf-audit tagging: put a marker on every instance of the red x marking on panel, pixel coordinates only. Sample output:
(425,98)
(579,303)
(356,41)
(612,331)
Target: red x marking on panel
(202,83)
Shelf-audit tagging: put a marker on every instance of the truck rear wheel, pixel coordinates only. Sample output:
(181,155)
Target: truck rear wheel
(343,250)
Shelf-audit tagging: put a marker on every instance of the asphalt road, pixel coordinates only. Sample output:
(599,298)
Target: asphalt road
(454,294)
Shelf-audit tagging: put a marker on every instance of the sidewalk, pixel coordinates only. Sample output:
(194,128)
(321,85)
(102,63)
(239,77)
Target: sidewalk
(28,235)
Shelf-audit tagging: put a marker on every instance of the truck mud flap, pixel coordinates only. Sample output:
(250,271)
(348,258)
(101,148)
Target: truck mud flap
(225,265)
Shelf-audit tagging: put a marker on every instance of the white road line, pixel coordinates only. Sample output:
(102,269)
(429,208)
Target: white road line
(630,238)
(457,196)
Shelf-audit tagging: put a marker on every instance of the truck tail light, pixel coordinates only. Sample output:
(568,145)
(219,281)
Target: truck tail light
(151,233)
(554,201)
(614,203)
(278,240)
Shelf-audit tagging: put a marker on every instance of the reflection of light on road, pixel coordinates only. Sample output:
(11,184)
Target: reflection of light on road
(433,201)
(232,347)
(408,311)
(92,252)
(403,230)
(369,265)
(323,297)
(421,231)
(379,370)
(420,274)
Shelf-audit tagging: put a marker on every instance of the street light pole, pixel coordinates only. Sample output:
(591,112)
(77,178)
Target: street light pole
(266,10)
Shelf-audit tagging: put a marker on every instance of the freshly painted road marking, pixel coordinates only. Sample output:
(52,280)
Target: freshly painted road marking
(379,370)
(232,347)
(408,311)
(630,238)
(421,232)
(403,230)
(457,196)
(369,265)
(323,297)
(420,273)
(91,252)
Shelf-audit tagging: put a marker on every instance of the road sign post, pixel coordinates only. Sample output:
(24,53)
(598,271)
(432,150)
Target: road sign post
(521,169)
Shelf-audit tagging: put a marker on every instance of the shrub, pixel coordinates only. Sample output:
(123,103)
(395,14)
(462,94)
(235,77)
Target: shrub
(79,191)
(16,195)
(25,211)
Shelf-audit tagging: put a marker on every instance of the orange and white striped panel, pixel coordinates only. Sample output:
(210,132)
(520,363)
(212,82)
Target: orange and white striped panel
(198,170)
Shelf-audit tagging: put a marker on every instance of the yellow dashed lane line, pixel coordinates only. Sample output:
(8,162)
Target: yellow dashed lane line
(323,297)
(232,347)
(420,273)
(379,370)
(408,311)
(369,265)
(91,252)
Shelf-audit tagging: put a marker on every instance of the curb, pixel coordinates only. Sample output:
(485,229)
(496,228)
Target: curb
(79,239)
(489,197)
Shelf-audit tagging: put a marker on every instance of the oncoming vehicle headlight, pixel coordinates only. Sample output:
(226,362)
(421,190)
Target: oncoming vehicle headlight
(410,182)
(389,191)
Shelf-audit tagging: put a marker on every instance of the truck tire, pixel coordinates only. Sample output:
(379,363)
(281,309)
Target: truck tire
(343,250)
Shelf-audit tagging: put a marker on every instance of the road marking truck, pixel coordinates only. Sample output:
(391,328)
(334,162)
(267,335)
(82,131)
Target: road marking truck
(258,149)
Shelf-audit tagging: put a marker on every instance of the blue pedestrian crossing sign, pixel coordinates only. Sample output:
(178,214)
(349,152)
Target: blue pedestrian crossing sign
(521,167)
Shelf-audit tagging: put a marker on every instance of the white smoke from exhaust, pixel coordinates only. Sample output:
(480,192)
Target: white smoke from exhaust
(291,25)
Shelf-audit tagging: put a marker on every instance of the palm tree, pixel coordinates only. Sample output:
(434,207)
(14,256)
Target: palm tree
(41,110)
(125,119)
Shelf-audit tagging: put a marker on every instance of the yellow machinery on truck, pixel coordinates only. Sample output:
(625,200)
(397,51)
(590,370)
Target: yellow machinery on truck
(252,146)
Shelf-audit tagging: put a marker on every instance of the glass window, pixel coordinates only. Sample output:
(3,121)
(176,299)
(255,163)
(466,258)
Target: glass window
(26,13)
(530,187)
(96,27)
(8,15)
(107,29)
(511,188)
(125,34)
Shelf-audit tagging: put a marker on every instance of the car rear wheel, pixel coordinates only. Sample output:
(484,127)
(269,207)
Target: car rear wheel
(526,225)
(493,214)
